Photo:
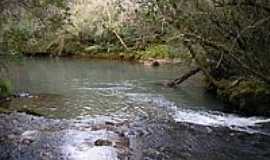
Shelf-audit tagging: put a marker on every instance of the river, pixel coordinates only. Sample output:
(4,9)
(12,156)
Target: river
(111,110)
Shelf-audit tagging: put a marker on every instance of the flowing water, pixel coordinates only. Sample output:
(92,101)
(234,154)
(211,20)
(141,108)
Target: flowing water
(82,101)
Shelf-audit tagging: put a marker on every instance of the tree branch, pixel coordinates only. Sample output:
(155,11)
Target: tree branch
(216,46)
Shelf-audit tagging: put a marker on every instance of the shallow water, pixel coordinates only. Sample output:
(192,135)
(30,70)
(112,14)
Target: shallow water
(163,123)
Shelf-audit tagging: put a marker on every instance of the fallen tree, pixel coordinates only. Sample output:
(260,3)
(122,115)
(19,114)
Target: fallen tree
(174,83)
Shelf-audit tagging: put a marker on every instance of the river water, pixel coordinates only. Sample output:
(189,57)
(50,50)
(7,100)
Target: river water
(98,109)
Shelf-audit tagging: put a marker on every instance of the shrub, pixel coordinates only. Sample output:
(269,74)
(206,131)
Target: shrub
(5,88)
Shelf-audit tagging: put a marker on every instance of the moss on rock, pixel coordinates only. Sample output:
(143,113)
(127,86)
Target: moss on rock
(248,96)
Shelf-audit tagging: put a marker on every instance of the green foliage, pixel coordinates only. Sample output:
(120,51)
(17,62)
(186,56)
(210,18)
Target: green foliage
(25,25)
(234,35)
(93,49)
(46,26)
(159,51)
(16,38)
(5,88)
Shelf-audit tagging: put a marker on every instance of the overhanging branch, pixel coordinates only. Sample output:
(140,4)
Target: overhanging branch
(194,38)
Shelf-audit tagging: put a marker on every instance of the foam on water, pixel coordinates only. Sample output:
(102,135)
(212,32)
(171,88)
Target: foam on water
(104,89)
(218,119)
(204,118)
(79,145)
(94,153)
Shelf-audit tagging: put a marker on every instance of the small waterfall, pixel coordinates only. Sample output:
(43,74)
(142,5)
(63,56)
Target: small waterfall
(218,119)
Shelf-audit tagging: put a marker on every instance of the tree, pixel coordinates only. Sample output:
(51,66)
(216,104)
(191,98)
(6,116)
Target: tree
(25,25)
(228,38)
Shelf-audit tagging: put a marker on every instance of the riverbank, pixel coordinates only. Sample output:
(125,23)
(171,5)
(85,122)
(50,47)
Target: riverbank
(154,55)
(249,97)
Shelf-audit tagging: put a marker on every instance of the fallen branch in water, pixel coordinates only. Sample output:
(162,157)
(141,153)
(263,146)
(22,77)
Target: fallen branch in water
(183,78)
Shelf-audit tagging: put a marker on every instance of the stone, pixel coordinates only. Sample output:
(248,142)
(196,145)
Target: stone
(102,142)
(152,63)
(155,63)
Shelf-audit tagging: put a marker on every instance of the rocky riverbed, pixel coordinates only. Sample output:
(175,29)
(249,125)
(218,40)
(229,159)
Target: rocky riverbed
(24,137)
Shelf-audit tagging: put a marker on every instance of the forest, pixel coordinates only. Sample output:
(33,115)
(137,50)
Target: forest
(222,44)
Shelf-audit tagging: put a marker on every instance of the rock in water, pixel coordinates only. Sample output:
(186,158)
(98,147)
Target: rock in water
(155,63)
(151,63)
(101,142)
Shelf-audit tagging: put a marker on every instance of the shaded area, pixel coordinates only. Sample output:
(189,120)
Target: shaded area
(192,142)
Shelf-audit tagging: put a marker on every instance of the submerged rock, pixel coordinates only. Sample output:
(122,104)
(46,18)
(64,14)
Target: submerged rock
(101,142)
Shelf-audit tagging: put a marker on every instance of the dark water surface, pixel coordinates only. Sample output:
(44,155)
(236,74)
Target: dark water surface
(85,101)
